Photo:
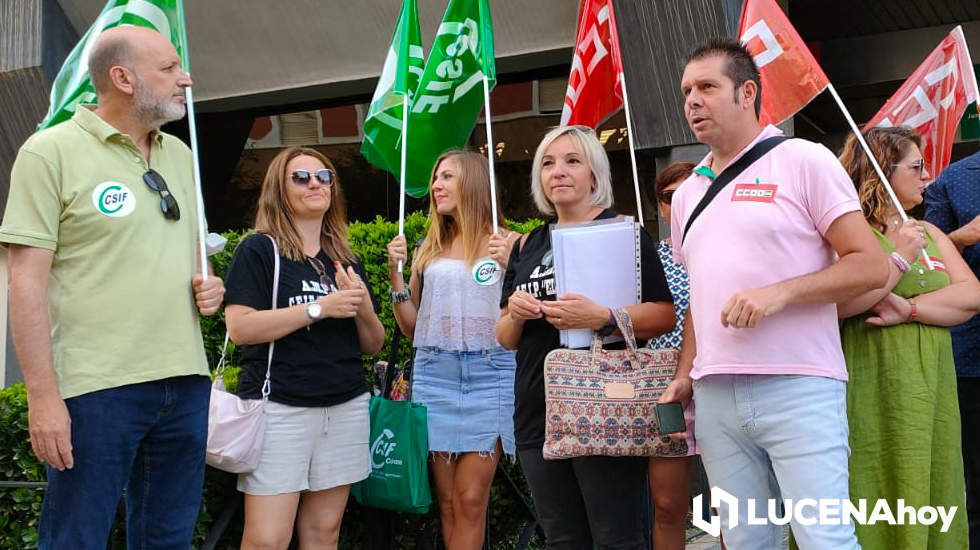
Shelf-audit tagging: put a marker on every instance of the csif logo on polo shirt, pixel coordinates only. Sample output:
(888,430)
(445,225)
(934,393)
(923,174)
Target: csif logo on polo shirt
(113,199)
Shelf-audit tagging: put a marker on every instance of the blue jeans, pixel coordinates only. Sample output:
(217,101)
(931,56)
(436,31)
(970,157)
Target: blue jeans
(775,437)
(469,397)
(145,438)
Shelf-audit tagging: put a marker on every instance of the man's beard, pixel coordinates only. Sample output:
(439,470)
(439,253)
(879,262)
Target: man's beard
(152,111)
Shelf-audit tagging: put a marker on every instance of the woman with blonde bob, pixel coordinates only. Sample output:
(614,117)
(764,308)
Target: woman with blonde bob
(591,501)
(461,374)
(316,441)
(901,394)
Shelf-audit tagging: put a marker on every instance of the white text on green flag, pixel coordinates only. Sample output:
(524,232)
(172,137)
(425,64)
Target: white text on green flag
(450,95)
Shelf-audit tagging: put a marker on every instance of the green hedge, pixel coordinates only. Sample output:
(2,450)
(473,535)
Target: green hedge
(20,508)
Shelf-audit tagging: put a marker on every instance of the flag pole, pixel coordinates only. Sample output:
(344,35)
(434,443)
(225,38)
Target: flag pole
(401,179)
(874,163)
(629,136)
(201,224)
(490,151)
(192,130)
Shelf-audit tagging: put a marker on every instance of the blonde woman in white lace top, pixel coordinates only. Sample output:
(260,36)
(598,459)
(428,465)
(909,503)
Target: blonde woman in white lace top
(461,374)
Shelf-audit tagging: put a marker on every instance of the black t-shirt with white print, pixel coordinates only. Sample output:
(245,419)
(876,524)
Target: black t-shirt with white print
(531,269)
(315,367)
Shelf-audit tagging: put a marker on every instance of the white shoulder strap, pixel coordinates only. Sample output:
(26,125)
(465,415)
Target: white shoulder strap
(275,300)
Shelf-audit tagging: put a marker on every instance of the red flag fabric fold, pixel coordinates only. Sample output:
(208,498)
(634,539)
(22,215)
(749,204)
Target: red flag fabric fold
(791,77)
(594,90)
(933,99)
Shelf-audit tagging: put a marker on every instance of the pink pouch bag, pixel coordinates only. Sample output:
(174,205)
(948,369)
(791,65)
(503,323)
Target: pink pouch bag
(236,427)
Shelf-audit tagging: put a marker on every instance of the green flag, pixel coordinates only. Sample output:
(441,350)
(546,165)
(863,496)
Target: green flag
(72,85)
(450,94)
(400,77)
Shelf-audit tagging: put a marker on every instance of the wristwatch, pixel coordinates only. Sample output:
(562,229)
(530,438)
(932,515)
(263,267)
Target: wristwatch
(314,311)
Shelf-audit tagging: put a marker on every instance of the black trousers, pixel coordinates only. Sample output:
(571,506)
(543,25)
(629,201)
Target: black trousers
(590,502)
(969,395)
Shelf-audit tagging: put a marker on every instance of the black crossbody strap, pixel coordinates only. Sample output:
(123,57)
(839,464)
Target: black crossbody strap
(728,174)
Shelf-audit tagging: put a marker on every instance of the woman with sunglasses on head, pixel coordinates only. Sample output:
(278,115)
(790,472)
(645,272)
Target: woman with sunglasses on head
(316,440)
(670,475)
(460,373)
(587,501)
(901,395)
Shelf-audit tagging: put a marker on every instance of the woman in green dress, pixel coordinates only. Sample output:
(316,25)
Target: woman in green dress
(901,397)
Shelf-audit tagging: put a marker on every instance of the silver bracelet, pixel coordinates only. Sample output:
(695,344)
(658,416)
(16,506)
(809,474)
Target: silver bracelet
(398,297)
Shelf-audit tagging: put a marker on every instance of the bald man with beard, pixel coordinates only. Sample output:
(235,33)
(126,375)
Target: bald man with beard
(105,294)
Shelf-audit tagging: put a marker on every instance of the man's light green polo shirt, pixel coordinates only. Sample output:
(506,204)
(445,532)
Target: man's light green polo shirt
(122,310)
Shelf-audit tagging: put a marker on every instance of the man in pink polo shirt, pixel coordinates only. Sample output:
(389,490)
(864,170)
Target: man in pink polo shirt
(767,368)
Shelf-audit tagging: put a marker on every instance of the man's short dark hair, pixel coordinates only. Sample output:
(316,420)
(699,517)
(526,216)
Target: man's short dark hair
(740,67)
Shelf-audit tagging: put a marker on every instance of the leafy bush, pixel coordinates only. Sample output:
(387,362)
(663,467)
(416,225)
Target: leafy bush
(22,506)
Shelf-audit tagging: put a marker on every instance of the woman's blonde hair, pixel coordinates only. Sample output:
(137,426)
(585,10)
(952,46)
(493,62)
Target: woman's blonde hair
(275,215)
(473,221)
(889,146)
(584,137)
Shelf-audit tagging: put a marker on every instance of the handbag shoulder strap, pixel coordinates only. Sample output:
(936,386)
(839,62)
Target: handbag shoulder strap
(389,376)
(728,174)
(221,362)
(275,300)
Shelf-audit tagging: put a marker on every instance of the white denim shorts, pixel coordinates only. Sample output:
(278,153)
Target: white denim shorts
(311,448)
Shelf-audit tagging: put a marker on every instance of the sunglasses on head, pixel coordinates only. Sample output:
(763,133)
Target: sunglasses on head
(303,177)
(583,128)
(168,204)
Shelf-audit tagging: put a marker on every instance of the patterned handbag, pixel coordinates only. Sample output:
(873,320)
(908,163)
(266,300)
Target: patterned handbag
(601,402)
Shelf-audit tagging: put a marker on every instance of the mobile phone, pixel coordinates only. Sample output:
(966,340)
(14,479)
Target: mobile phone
(670,417)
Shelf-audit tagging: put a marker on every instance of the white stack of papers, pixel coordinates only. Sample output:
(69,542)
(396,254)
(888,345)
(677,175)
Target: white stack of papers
(600,260)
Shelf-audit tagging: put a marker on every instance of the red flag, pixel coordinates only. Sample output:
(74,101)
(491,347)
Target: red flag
(933,99)
(791,77)
(594,90)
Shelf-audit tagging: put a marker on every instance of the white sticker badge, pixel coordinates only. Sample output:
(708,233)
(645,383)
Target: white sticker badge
(113,199)
(487,272)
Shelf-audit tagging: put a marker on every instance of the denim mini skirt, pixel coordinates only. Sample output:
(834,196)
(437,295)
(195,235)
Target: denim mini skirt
(469,398)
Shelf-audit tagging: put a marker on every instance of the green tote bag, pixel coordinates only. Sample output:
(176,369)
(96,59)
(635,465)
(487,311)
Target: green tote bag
(399,449)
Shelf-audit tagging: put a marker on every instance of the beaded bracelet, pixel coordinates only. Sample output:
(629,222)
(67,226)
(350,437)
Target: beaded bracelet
(913,311)
(900,262)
